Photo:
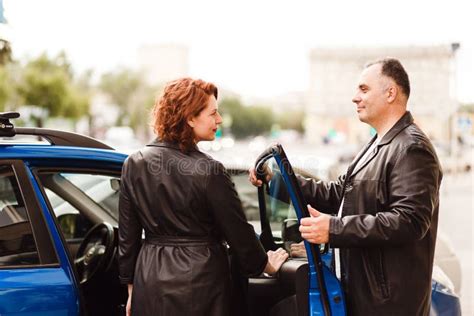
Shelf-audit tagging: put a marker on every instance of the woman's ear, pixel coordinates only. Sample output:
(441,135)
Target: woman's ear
(191,122)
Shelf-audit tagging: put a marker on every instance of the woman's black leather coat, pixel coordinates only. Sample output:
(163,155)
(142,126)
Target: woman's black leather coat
(387,232)
(188,207)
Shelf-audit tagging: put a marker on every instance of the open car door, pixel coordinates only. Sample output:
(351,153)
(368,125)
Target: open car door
(305,285)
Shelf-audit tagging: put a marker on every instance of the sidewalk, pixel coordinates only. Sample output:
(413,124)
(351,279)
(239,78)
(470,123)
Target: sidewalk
(457,221)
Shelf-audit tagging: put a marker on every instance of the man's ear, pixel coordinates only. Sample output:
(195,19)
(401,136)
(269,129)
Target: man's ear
(392,93)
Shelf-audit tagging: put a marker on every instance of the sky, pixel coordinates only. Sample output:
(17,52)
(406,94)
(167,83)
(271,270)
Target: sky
(256,48)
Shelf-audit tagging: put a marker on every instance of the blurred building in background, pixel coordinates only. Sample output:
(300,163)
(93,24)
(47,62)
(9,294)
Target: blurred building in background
(163,62)
(334,74)
(287,102)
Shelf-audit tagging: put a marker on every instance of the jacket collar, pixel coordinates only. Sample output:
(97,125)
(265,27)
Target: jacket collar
(402,123)
(159,143)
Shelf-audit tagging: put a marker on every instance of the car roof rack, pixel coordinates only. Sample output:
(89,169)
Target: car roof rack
(54,137)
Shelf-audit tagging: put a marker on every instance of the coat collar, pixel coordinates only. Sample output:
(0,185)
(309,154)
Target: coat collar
(401,124)
(159,143)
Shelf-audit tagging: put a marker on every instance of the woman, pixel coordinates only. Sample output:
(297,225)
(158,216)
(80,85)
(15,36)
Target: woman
(187,206)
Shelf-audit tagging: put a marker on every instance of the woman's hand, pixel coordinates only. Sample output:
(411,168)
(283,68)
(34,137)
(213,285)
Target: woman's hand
(275,260)
(297,250)
(128,309)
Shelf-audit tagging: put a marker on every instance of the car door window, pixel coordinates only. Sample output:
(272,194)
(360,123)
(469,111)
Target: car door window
(73,224)
(17,245)
(103,189)
(280,213)
(80,199)
(248,197)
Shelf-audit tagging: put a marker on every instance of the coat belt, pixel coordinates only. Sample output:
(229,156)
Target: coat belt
(181,241)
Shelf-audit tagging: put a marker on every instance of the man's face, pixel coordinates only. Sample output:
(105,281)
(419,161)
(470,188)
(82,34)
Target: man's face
(371,95)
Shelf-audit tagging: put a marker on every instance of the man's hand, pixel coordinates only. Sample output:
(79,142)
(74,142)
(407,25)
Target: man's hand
(298,250)
(315,229)
(253,176)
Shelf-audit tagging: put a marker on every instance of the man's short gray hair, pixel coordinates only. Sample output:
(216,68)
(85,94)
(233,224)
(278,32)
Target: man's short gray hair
(392,68)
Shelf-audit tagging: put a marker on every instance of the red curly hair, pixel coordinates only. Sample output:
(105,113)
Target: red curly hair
(182,99)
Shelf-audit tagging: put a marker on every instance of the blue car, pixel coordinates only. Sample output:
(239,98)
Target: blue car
(58,232)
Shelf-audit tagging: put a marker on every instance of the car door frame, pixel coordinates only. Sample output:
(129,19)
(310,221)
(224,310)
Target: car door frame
(108,167)
(325,294)
(49,285)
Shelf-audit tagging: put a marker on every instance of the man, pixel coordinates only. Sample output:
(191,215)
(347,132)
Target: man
(384,232)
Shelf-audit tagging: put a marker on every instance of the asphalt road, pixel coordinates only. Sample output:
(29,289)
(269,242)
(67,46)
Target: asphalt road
(456,219)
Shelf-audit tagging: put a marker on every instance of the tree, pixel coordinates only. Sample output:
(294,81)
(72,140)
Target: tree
(5,88)
(5,52)
(142,104)
(48,84)
(292,120)
(247,121)
(121,86)
(468,107)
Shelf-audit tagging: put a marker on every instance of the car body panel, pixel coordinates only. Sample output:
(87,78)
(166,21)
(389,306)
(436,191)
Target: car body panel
(37,291)
(443,301)
(46,152)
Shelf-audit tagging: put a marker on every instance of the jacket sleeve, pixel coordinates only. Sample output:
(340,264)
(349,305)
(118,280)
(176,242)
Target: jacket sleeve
(130,229)
(413,186)
(324,196)
(227,211)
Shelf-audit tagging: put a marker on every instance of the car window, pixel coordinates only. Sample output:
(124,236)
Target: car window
(79,200)
(99,188)
(17,245)
(248,196)
(280,213)
(72,223)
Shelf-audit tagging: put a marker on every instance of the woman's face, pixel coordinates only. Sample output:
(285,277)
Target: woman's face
(205,124)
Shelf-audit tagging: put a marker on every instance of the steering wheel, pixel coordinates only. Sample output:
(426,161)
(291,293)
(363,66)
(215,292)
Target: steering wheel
(95,252)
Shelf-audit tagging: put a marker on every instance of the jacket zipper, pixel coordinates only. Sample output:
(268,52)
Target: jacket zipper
(383,283)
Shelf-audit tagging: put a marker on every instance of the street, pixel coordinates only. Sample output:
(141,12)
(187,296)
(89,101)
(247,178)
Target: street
(457,221)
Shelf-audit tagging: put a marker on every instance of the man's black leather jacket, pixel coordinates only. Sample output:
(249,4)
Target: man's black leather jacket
(387,230)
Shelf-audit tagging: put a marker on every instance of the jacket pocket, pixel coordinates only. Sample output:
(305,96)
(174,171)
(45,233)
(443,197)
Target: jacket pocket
(374,266)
